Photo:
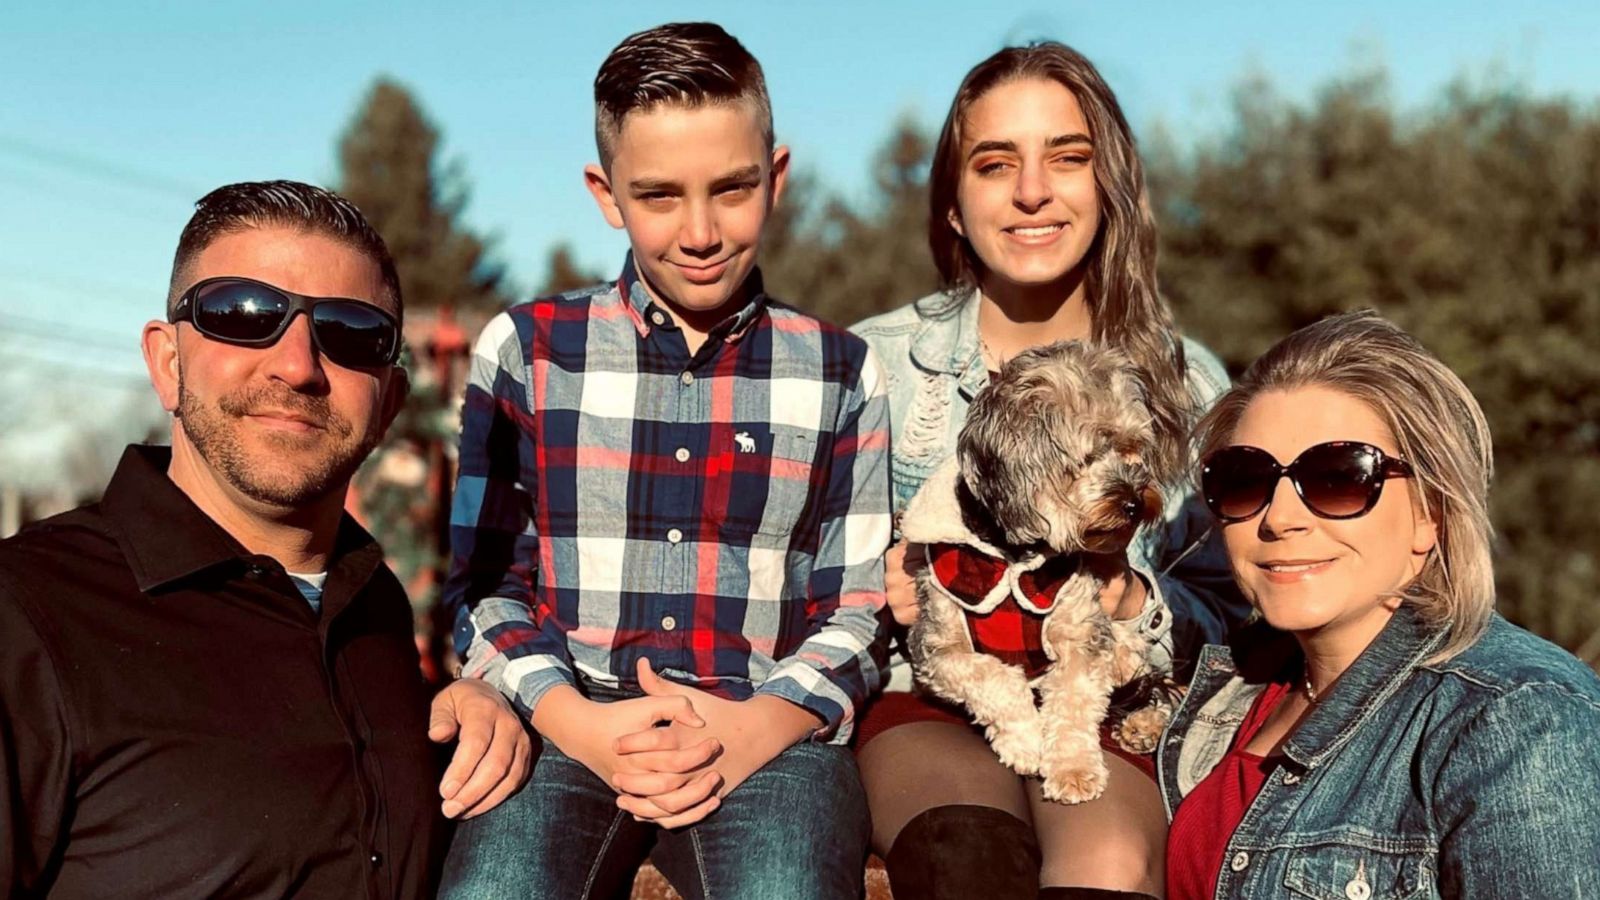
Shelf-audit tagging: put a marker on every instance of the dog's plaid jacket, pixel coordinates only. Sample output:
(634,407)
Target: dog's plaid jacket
(724,515)
(1009,627)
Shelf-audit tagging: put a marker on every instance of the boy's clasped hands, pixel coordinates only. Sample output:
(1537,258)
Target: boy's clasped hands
(672,754)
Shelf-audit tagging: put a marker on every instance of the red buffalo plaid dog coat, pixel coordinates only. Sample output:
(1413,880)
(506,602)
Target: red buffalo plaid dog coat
(1004,601)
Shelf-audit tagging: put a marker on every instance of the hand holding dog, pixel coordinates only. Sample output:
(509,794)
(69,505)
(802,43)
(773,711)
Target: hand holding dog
(1124,592)
(900,567)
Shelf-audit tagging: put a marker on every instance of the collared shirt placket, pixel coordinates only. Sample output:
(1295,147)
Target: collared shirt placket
(358,732)
(690,532)
(682,536)
(267,575)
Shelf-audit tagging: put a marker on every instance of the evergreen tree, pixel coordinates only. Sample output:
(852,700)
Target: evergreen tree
(843,261)
(562,273)
(389,169)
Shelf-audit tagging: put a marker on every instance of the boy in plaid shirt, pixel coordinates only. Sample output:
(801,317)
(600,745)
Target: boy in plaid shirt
(669,525)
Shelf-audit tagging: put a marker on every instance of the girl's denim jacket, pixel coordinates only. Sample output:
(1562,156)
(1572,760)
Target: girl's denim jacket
(929,352)
(1477,777)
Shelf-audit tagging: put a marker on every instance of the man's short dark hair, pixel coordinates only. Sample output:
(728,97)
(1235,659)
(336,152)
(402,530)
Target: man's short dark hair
(287,204)
(690,64)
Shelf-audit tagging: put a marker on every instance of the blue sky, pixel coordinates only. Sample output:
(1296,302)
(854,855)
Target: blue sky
(115,116)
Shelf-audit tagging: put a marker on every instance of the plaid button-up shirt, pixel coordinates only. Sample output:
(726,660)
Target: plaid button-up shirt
(724,515)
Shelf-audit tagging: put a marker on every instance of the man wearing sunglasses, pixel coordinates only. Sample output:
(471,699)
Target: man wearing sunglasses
(208,681)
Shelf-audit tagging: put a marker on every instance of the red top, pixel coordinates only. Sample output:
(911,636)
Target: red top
(1206,819)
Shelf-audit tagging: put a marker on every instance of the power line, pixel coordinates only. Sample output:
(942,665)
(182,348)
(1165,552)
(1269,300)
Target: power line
(92,357)
(76,284)
(63,334)
(82,373)
(90,167)
(103,203)
(82,290)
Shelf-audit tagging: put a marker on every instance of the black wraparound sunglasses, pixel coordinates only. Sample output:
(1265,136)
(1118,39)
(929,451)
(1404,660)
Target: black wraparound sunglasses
(1336,480)
(249,313)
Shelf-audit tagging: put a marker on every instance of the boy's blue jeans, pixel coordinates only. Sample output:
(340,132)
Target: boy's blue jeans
(797,828)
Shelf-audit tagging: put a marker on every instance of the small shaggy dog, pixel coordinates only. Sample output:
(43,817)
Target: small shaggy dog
(1047,487)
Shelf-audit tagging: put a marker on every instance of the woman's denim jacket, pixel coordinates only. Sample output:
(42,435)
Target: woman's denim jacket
(929,353)
(1477,777)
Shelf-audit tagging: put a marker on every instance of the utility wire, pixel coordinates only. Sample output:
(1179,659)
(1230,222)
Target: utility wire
(82,373)
(64,334)
(90,167)
(30,355)
(101,205)
(79,287)
(72,283)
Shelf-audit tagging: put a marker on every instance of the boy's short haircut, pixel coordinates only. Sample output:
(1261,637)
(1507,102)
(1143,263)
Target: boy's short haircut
(691,64)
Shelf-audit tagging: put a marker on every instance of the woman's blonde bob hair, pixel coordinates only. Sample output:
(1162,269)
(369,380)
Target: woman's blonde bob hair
(1438,428)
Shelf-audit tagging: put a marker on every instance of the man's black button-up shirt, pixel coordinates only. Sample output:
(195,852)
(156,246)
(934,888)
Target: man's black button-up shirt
(176,721)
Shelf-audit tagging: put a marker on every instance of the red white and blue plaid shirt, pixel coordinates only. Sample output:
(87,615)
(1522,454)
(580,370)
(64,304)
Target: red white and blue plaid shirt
(724,516)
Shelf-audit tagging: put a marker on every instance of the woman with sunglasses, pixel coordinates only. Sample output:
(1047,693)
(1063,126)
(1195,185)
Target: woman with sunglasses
(1382,733)
(1041,231)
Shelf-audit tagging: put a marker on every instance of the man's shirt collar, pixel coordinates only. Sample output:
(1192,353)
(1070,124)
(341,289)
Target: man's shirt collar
(165,537)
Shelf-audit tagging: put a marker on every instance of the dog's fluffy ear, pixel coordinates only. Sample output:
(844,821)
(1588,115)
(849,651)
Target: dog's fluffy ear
(1135,392)
(1131,391)
(1166,467)
(1127,383)
(1127,404)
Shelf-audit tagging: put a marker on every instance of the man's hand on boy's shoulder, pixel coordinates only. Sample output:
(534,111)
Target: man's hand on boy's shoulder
(493,751)
(751,732)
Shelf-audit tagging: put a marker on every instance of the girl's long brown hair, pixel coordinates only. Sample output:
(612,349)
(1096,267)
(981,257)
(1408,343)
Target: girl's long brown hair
(1125,306)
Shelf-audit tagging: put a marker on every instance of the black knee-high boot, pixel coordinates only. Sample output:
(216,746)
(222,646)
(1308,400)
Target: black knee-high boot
(1089,893)
(962,852)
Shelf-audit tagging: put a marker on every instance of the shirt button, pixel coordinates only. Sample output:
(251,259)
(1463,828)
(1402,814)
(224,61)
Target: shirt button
(668,623)
(1291,778)
(1239,861)
(658,318)
(1358,889)
(687,378)
(682,455)
(376,859)
(674,535)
